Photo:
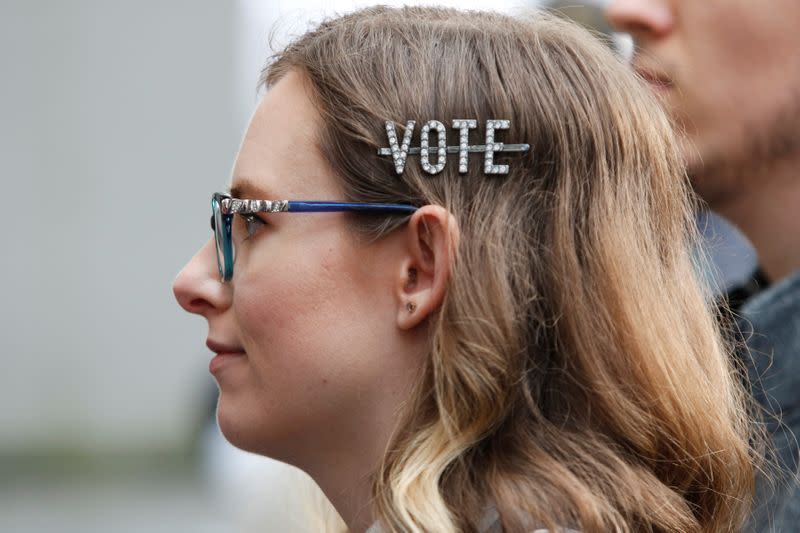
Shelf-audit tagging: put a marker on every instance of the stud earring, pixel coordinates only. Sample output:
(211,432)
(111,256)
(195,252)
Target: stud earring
(411,307)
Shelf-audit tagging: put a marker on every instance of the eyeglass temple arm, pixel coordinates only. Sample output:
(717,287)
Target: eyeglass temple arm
(311,207)
(245,207)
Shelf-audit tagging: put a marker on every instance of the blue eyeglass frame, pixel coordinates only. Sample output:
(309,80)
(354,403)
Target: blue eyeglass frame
(224,207)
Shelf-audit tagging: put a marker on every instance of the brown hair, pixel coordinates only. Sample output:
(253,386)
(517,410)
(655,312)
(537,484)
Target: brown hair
(576,375)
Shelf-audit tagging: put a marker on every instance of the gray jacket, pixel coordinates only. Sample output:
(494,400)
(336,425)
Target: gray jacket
(770,322)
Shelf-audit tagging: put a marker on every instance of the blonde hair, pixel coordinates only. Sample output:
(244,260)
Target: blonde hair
(576,376)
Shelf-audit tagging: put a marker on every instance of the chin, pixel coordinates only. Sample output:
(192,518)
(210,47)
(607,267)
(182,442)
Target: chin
(692,158)
(718,179)
(241,430)
(235,430)
(715,187)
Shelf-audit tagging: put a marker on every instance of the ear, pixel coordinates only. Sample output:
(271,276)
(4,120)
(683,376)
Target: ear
(431,241)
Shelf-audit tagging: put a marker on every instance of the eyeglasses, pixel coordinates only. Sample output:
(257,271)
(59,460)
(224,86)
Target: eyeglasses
(224,208)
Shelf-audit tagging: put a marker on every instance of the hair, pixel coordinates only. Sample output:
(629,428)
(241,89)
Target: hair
(576,377)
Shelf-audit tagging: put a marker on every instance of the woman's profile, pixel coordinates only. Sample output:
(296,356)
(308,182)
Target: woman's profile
(452,281)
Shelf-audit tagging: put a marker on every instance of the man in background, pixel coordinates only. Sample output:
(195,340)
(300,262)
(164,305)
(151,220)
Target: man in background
(728,71)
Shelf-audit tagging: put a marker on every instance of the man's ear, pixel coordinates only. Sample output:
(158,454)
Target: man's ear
(431,241)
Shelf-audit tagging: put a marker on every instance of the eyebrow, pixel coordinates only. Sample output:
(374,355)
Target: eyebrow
(246,188)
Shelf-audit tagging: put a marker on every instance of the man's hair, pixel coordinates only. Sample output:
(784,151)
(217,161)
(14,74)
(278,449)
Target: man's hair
(576,375)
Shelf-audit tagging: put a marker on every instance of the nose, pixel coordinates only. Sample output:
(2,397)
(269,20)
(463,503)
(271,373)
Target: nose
(640,18)
(198,288)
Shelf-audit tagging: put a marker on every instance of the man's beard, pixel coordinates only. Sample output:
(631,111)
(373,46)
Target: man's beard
(721,177)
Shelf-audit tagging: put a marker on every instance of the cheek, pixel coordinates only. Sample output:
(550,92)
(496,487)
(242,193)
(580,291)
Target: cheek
(280,306)
(736,60)
(292,382)
(304,321)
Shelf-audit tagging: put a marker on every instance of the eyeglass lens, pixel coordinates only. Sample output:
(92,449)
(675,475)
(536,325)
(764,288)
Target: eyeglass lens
(221,228)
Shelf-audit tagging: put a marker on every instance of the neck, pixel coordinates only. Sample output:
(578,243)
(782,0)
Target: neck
(767,211)
(343,459)
(348,485)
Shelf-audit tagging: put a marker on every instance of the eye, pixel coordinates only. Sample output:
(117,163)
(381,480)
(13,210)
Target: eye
(252,225)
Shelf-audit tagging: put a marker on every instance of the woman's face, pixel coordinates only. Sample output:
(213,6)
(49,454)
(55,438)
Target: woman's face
(309,318)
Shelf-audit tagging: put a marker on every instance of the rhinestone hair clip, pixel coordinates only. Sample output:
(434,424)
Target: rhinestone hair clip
(401,150)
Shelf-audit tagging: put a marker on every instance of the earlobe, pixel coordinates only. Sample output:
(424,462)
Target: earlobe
(430,244)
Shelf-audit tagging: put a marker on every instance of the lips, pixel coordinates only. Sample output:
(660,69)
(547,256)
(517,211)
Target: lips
(227,354)
(657,80)
(223,348)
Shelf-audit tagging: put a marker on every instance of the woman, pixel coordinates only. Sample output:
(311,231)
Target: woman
(501,339)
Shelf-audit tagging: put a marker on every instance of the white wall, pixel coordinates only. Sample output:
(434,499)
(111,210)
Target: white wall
(269,24)
(117,122)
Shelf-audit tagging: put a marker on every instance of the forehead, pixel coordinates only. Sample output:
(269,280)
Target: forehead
(279,155)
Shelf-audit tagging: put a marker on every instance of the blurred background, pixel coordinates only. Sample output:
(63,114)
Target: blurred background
(118,119)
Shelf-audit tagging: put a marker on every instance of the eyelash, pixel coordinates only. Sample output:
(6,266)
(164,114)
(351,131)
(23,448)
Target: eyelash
(249,220)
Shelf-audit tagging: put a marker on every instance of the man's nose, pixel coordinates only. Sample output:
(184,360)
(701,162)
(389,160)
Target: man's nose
(641,18)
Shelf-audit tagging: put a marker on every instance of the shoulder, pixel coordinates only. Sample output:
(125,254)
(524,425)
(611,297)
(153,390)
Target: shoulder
(775,305)
(770,324)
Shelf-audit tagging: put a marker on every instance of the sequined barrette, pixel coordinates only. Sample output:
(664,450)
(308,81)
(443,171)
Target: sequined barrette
(401,150)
